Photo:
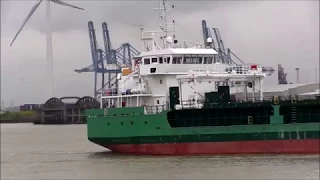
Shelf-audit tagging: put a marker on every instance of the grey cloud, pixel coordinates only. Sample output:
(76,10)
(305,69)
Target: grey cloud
(113,12)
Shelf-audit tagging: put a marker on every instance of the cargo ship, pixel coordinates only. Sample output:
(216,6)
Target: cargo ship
(179,101)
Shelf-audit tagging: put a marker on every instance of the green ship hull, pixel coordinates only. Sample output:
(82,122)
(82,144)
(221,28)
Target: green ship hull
(289,127)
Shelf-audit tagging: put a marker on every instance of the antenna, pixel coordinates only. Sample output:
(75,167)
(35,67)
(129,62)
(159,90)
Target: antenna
(316,73)
(306,78)
(297,69)
(141,31)
(165,17)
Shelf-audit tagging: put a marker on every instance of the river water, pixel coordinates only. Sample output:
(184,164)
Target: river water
(63,152)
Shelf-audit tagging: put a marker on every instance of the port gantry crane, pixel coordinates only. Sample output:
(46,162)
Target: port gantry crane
(225,54)
(282,76)
(108,61)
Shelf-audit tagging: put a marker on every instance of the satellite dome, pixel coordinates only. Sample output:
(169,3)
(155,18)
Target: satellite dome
(169,39)
(209,40)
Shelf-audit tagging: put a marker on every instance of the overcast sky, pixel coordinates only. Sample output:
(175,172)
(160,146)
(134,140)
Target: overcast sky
(266,32)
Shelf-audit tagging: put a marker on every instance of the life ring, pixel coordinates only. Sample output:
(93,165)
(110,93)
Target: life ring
(254,67)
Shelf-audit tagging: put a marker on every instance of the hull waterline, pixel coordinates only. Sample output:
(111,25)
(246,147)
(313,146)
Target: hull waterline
(310,146)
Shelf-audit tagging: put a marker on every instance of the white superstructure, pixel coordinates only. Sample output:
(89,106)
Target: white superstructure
(193,69)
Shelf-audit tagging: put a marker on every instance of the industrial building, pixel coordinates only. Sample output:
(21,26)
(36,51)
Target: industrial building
(307,90)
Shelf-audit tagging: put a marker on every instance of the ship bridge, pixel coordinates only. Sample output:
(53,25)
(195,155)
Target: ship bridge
(179,51)
(174,60)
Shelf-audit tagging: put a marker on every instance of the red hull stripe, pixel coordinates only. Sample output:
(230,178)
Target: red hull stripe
(310,146)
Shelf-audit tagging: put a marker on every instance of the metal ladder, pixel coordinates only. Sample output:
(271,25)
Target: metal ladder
(293,114)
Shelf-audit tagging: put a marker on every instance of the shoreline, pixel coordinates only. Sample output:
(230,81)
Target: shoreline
(15,121)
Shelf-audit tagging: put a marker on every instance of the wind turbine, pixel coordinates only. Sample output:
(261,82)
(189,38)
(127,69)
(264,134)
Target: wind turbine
(49,36)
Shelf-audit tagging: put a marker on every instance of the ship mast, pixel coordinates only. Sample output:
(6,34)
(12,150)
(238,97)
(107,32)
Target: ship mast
(165,18)
(165,29)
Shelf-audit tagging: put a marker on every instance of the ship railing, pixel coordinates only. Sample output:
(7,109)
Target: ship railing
(121,92)
(240,119)
(191,104)
(241,98)
(156,109)
(218,69)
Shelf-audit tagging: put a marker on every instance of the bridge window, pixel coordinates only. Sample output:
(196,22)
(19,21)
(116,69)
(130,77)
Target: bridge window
(187,60)
(146,61)
(179,60)
(192,59)
(154,60)
(215,58)
(197,60)
(160,60)
(207,60)
(168,60)
(176,60)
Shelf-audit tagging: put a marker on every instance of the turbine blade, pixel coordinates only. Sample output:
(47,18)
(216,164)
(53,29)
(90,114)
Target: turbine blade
(65,4)
(34,8)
